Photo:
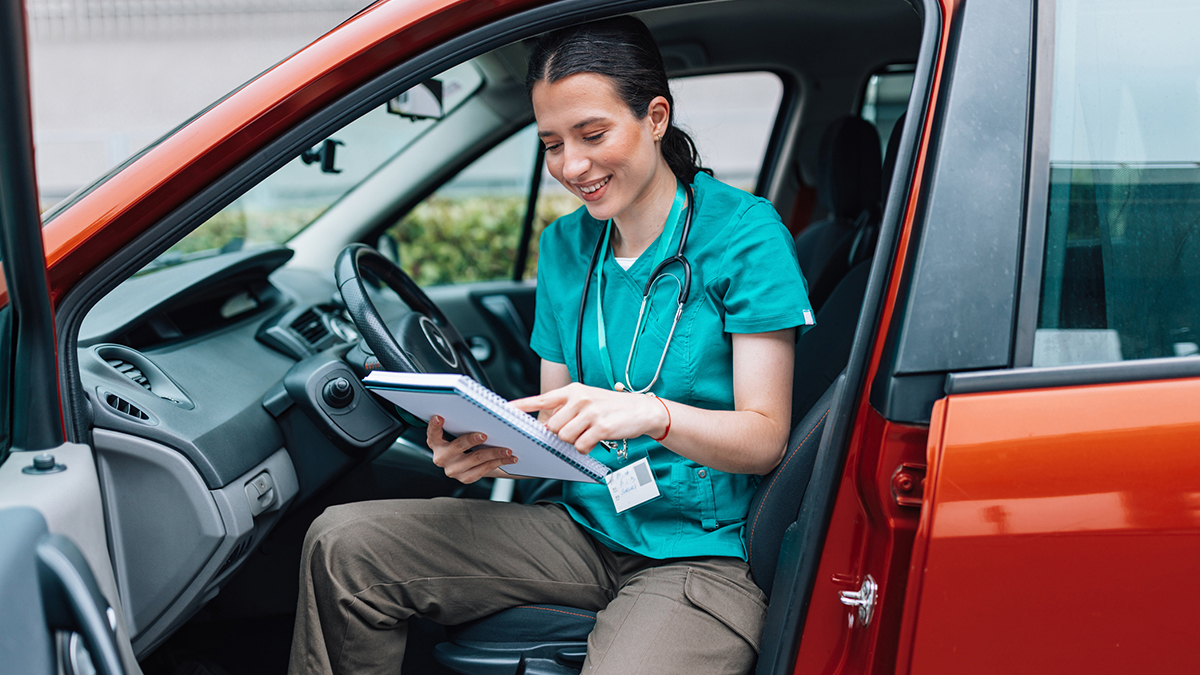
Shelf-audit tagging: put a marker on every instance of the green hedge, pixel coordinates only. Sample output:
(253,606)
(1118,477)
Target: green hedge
(458,239)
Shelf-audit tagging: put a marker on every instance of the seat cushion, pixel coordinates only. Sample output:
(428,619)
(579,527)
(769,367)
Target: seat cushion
(527,623)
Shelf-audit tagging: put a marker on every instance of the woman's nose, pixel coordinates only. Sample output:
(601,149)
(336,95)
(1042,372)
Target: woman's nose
(575,162)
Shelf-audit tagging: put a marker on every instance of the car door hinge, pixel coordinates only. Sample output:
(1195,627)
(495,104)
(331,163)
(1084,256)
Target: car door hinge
(908,484)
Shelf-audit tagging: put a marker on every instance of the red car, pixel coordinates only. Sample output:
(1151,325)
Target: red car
(996,203)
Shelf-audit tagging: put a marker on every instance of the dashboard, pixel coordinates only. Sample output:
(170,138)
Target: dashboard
(206,387)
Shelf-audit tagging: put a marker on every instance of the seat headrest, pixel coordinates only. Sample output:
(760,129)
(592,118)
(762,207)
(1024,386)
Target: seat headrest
(848,168)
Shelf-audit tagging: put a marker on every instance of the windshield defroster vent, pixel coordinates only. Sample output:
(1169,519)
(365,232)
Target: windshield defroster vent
(310,327)
(134,366)
(129,370)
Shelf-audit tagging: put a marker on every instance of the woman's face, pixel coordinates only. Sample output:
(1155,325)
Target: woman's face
(598,149)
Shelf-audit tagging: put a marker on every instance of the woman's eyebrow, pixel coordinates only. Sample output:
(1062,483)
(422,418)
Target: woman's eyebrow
(579,125)
(590,120)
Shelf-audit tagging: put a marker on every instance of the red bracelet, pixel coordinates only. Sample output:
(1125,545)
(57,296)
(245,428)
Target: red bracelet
(668,430)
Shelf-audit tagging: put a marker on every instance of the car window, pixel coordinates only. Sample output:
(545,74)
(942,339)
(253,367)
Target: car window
(288,200)
(470,228)
(886,99)
(1121,276)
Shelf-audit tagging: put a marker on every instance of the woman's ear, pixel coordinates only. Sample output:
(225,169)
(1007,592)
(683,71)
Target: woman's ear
(659,114)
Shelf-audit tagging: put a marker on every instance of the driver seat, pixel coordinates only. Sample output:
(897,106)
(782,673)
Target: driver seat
(552,640)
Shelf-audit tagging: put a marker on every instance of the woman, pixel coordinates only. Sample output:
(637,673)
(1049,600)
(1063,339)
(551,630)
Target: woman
(667,570)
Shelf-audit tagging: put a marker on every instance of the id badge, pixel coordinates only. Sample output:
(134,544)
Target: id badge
(632,485)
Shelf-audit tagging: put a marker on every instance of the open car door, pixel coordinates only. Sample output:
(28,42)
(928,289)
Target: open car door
(55,618)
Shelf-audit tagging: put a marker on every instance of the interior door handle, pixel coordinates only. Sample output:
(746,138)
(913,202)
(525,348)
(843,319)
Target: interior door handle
(73,601)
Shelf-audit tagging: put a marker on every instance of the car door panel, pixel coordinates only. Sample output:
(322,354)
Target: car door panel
(71,505)
(26,644)
(1059,532)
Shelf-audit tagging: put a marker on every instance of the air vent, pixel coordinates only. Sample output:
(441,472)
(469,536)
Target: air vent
(129,370)
(240,550)
(310,327)
(125,407)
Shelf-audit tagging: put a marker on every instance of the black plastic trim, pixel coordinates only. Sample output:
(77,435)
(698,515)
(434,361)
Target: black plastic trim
(955,316)
(535,187)
(1176,368)
(782,636)
(961,301)
(36,421)
(146,246)
(1038,188)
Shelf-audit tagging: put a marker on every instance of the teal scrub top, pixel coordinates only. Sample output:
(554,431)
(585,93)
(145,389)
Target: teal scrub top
(745,279)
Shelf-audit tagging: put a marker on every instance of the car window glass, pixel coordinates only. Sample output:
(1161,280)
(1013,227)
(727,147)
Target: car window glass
(470,228)
(730,117)
(1122,262)
(288,200)
(886,99)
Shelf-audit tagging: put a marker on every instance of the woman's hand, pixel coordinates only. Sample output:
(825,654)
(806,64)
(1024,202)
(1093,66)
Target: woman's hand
(584,415)
(454,458)
(750,438)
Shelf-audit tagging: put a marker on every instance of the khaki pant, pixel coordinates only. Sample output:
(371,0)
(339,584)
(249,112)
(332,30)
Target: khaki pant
(367,567)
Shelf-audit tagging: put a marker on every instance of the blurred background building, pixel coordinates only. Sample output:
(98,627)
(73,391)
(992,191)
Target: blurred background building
(110,76)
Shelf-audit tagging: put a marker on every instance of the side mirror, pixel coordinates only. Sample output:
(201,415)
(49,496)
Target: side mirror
(422,102)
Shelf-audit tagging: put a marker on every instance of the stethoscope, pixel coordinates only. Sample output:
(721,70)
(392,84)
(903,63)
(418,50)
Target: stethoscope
(659,273)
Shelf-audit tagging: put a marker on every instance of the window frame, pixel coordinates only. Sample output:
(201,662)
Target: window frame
(1037,188)
(860,100)
(1022,374)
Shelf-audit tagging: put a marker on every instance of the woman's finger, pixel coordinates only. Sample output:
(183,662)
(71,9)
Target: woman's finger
(530,404)
(482,470)
(471,467)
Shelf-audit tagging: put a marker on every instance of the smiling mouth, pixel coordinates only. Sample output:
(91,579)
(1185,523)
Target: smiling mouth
(592,188)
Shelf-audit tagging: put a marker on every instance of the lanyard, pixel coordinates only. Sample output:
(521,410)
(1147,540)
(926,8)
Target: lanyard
(664,241)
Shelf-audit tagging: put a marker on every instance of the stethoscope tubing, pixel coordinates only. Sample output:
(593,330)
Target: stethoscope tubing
(684,287)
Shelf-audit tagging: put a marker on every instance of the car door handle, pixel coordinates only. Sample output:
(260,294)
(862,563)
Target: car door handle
(73,601)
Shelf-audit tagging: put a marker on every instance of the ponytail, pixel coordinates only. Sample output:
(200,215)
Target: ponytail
(681,154)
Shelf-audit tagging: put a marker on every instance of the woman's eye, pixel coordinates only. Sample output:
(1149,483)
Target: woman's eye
(593,139)
(551,147)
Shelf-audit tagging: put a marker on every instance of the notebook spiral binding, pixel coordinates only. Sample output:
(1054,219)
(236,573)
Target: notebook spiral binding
(548,439)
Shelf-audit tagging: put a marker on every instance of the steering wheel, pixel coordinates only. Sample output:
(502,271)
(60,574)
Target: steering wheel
(425,341)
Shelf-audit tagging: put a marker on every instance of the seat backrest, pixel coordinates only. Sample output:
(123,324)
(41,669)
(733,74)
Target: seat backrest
(848,187)
(821,355)
(824,350)
(777,501)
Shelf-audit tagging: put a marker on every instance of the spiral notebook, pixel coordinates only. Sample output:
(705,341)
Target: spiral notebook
(468,406)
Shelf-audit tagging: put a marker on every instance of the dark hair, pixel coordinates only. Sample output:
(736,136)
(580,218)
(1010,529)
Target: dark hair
(622,49)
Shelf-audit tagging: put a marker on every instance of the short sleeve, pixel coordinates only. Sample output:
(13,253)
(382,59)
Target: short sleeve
(547,337)
(766,290)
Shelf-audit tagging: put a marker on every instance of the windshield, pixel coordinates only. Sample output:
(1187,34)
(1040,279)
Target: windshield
(290,199)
